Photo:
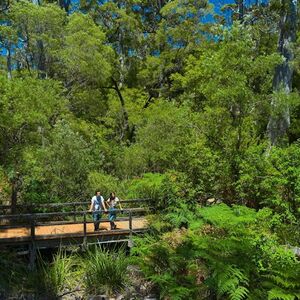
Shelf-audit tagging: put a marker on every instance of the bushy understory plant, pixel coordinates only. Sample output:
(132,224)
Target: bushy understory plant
(12,274)
(105,272)
(226,252)
(56,277)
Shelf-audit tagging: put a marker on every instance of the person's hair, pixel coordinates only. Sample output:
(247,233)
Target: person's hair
(112,195)
(97,192)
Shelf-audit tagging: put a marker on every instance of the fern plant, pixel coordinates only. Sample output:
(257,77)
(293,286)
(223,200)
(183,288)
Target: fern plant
(241,256)
(232,282)
(284,284)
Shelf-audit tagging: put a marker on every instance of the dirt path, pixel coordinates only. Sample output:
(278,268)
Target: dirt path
(68,228)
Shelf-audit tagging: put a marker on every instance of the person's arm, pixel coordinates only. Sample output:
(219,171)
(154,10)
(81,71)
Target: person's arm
(103,204)
(120,204)
(92,205)
(107,202)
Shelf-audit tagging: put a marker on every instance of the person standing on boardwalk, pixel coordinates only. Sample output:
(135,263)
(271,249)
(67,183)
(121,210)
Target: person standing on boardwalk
(97,204)
(112,202)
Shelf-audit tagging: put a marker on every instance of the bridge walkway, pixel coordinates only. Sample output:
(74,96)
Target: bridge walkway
(69,224)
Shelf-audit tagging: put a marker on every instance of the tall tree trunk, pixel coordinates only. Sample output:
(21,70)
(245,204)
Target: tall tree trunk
(65,4)
(125,125)
(279,122)
(16,183)
(241,8)
(41,60)
(8,63)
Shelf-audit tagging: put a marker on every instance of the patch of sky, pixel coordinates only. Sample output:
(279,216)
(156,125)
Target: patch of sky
(132,52)
(155,52)
(13,48)
(218,4)
(148,10)
(175,44)
(3,51)
(75,6)
(136,8)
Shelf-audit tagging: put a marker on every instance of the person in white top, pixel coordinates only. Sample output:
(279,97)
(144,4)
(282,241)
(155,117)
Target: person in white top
(112,202)
(97,204)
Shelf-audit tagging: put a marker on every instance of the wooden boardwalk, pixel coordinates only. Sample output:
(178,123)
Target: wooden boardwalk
(54,231)
(73,227)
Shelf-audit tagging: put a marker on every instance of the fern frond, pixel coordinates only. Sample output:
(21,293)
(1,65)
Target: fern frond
(239,293)
(278,294)
(232,282)
(282,282)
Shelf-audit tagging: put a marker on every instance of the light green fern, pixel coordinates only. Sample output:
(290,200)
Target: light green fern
(280,294)
(232,282)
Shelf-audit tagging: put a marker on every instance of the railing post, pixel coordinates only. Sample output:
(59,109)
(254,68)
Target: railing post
(130,242)
(32,246)
(84,229)
(74,217)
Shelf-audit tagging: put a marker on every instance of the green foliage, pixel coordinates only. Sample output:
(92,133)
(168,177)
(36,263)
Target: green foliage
(40,28)
(11,274)
(168,264)
(53,165)
(85,55)
(105,272)
(233,250)
(161,138)
(231,282)
(149,186)
(4,187)
(107,184)
(144,99)
(25,119)
(273,179)
(55,277)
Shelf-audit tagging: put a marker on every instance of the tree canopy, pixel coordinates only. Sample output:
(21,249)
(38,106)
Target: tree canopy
(148,99)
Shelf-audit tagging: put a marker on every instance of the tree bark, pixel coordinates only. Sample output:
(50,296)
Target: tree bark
(41,60)
(125,127)
(279,121)
(241,7)
(65,4)
(15,187)
(8,62)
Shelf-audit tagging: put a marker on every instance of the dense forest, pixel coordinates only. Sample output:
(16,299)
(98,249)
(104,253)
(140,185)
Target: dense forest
(165,100)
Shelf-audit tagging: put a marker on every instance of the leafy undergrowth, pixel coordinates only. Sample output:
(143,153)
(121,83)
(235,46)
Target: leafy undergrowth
(223,252)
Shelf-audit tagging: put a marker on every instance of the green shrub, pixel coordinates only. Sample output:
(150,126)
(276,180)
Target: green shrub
(106,183)
(229,252)
(148,186)
(13,273)
(54,278)
(105,272)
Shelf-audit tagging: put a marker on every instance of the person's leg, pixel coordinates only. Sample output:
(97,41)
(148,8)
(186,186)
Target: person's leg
(115,216)
(111,225)
(112,217)
(99,218)
(96,219)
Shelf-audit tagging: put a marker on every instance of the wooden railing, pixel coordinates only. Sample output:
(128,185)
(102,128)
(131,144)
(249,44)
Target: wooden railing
(33,220)
(66,213)
(33,207)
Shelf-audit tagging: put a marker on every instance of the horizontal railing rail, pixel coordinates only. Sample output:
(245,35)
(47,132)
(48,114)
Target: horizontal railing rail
(30,208)
(63,214)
